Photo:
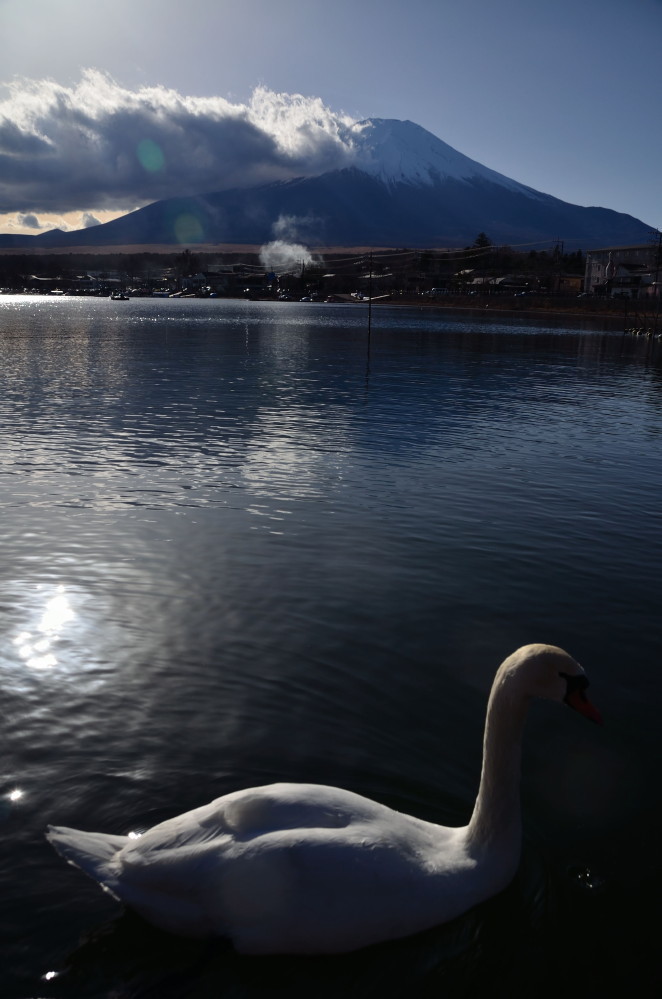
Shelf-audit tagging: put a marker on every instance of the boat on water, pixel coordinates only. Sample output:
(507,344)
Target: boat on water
(119,296)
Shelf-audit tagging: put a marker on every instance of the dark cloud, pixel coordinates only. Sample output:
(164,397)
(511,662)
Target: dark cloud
(100,146)
(16,142)
(30,221)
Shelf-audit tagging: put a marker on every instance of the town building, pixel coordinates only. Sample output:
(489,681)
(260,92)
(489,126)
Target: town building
(625,271)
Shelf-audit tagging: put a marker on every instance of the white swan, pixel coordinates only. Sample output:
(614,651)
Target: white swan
(303,868)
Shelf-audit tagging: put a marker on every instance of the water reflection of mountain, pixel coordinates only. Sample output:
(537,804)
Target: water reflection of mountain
(182,399)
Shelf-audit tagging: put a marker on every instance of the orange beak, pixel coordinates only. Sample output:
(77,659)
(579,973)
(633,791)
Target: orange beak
(578,700)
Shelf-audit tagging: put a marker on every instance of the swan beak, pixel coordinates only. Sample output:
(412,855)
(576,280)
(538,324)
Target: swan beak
(578,700)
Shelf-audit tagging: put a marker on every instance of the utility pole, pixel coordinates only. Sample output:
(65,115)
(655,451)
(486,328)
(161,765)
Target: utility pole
(558,257)
(657,238)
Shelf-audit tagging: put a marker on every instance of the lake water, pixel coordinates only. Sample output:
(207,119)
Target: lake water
(242,542)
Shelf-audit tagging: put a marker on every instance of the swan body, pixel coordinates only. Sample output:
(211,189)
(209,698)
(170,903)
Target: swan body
(305,868)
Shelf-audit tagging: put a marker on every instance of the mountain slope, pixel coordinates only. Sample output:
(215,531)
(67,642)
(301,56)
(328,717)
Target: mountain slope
(406,188)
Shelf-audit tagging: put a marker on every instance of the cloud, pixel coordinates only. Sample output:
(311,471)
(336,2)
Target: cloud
(29,220)
(88,220)
(98,146)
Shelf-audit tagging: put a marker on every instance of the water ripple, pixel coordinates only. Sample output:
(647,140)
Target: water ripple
(241,544)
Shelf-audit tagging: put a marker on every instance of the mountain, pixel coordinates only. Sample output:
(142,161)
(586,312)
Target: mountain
(405,187)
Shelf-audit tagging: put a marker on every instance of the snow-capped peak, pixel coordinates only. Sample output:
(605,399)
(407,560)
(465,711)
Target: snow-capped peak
(403,152)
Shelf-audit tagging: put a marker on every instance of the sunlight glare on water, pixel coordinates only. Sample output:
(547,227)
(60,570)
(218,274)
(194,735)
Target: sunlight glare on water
(37,651)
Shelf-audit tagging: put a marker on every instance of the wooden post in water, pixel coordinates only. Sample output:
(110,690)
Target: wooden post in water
(370,296)
(367,359)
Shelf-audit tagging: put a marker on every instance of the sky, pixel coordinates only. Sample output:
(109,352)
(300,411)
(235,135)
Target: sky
(107,106)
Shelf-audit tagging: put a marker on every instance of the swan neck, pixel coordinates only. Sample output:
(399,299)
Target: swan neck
(496,819)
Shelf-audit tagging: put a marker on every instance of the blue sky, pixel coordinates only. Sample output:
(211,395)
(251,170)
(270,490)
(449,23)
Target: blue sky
(561,95)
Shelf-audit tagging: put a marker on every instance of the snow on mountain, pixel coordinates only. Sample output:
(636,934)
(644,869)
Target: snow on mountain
(398,152)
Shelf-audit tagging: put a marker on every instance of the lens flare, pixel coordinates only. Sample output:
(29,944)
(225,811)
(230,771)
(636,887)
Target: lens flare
(150,156)
(188,229)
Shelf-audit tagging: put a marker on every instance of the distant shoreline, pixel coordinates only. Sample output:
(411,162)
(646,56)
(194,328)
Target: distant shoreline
(495,305)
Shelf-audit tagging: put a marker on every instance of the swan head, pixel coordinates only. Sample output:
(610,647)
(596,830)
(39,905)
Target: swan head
(551,673)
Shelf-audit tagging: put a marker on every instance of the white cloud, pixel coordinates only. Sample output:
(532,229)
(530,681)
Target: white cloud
(28,222)
(88,220)
(99,146)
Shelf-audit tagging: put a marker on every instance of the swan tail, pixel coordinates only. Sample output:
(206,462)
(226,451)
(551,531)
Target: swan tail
(93,853)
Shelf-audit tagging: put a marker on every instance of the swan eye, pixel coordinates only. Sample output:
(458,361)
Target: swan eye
(575,685)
